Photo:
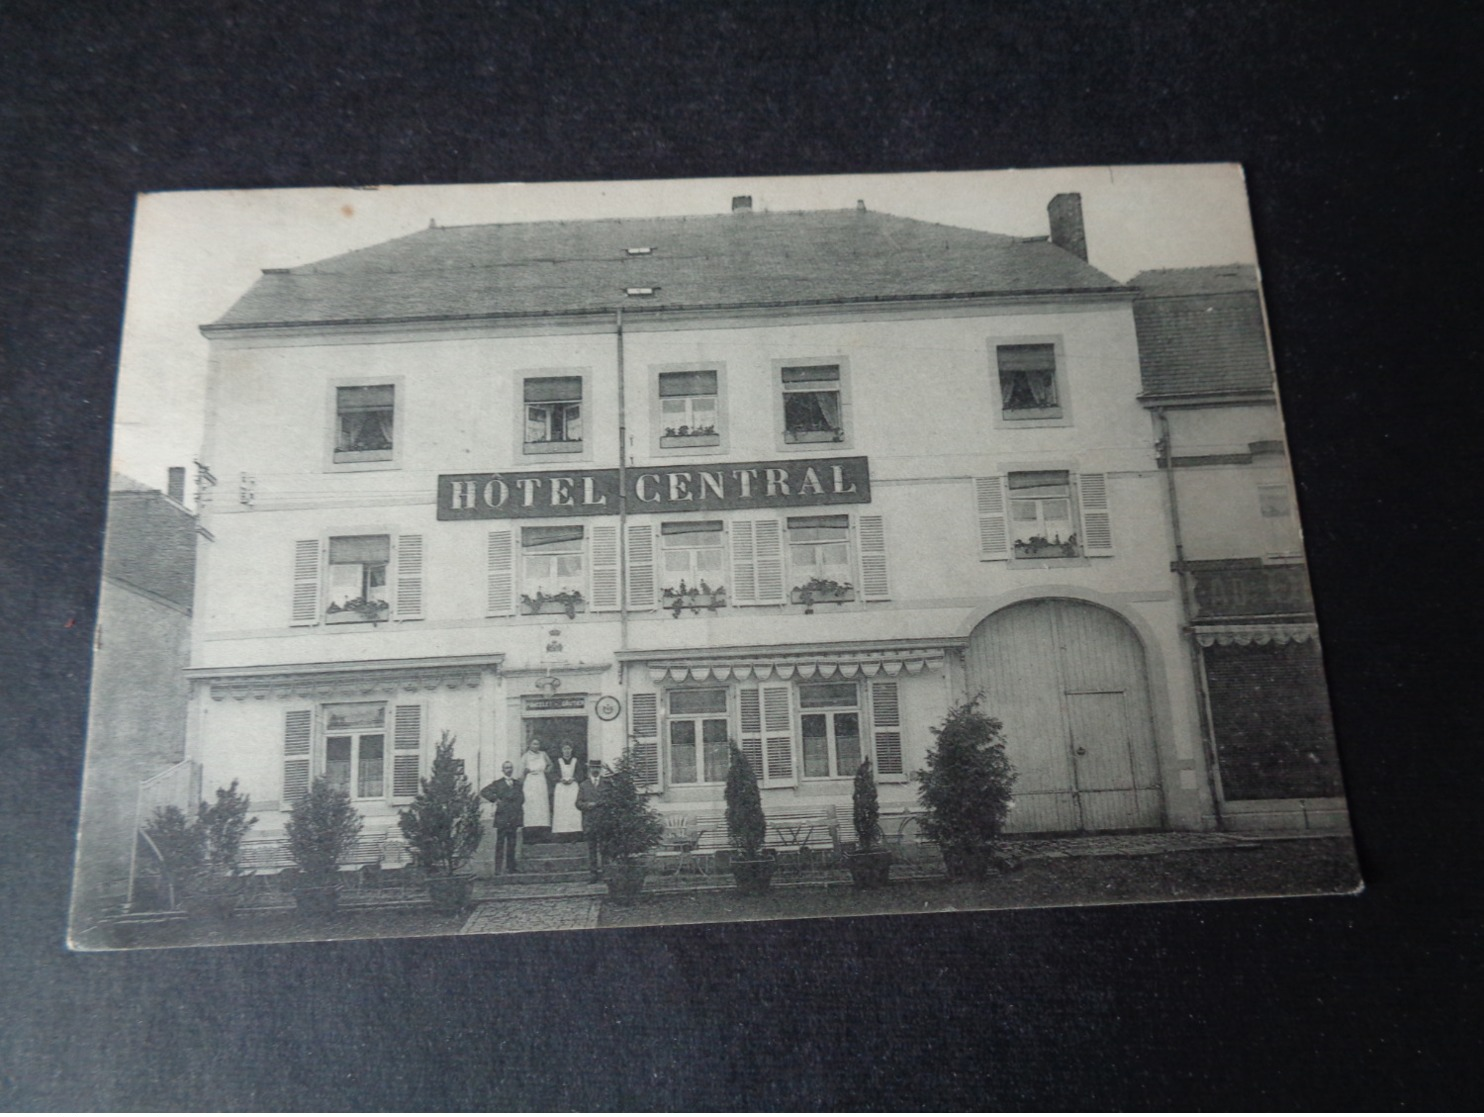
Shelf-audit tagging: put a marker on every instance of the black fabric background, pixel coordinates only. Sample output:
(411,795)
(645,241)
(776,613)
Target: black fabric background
(1356,125)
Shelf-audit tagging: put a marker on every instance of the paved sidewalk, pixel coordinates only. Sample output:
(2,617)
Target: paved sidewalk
(550,913)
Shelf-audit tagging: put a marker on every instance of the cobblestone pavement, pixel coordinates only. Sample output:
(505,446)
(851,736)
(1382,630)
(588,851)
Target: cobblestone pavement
(552,913)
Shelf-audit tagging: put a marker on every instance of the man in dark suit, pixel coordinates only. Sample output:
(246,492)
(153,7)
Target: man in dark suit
(510,815)
(590,801)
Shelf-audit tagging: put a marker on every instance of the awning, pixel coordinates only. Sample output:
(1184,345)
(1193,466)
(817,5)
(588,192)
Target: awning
(804,667)
(1245,634)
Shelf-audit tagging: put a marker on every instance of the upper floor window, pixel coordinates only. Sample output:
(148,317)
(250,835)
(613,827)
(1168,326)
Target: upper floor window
(1280,528)
(357,588)
(1041,514)
(698,732)
(830,726)
(553,414)
(819,558)
(694,561)
(812,410)
(551,569)
(689,415)
(355,748)
(1028,382)
(364,423)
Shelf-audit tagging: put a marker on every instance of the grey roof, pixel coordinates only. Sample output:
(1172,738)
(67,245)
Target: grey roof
(729,260)
(1201,331)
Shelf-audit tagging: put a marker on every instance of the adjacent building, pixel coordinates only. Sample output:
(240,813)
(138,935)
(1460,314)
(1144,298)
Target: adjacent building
(798,480)
(1254,643)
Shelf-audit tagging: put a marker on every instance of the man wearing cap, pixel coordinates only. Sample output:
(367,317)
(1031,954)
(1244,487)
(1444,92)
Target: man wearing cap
(510,810)
(590,801)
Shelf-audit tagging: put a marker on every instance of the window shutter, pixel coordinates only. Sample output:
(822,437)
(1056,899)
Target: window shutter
(407,744)
(874,584)
(501,573)
(604,584)
(767,541)
(642,593)
(778,739)
(409,577)
(298,730)
(750,709)
(306,582)
(1097,525)
(886,723)
(994,532)
(644,735)
(744,565)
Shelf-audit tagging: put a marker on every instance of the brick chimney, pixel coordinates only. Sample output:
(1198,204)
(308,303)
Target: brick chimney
(175,483)
(1065,212)
(742,203)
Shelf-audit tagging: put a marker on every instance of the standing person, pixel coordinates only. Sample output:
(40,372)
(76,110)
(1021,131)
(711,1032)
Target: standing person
(509,800)
(566,819)
(589,801)
(537,790)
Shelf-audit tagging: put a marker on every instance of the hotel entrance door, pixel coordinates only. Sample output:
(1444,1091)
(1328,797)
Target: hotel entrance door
(552,733)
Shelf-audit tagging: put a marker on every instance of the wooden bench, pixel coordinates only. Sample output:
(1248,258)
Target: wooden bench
(269,856)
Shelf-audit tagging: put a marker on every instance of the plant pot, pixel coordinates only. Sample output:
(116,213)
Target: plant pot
(317,900)
(450,894)
(625,880)
(870,868)
(753,875)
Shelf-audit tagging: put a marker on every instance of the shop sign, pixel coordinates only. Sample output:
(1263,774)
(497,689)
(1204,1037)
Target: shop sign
(797,483)
(1252,591)
(555,702)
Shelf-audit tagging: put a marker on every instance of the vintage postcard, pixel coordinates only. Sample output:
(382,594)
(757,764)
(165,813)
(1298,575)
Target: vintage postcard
(519,557)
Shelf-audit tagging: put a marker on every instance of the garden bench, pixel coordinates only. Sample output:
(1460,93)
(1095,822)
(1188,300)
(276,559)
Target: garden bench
(793,829)
(269,856)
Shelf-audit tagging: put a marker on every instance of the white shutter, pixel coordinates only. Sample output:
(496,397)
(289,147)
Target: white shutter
(500,570)
(744,565)
(409,577)
(886,724)
(994,532)
(750,710)
(407,744)
(644,736)
(298,731)
(1097,524)
(778,737)
(767,541)
(642,592)
(604,585)
(306,582)
(874,583)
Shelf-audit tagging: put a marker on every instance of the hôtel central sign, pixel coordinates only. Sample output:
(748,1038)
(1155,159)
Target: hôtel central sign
(709,488)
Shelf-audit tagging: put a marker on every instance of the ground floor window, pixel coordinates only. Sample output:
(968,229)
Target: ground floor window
(698,735)
(355,748)
(830,725)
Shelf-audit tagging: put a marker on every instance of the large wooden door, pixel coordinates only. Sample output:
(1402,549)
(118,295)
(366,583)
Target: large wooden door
(1069,682)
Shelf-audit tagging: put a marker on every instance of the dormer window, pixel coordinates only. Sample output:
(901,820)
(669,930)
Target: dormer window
(644,251)
(640,292)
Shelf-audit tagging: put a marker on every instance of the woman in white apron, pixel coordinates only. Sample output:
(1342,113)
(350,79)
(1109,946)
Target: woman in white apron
(537,790)
(566,819)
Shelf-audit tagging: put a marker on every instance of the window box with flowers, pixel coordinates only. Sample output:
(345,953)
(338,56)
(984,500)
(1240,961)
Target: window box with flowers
(357,611)
(568,602)
(695,598)
(821,591)
(689,436)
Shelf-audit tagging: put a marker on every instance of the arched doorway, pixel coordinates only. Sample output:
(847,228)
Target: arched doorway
(1070,683)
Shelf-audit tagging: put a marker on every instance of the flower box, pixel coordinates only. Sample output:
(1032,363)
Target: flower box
(358,614)
(694,600)
(568,604)
(814,436)
(1040,548)
(821,595)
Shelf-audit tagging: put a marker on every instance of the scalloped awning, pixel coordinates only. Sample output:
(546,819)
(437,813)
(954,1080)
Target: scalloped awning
(1245,634)
(803,667)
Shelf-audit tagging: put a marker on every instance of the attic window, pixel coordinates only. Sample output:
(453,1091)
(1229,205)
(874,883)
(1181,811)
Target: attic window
(645,251)
(640,292)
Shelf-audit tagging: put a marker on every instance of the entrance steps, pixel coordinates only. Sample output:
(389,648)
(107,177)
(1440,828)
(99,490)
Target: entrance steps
(547,863)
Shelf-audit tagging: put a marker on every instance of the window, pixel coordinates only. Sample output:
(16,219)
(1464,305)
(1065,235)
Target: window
(688,409)
(698,735)
(830,724)
(364,423)
(819,555)
(1041,520)
(811,404)
(553,414)
(1280,530)
(551,569)
(1028,383)
(692,554)
(355,748)
(357,582)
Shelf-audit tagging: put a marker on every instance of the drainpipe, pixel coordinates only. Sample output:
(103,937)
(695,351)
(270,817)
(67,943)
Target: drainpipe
(1165,447)
(623,515)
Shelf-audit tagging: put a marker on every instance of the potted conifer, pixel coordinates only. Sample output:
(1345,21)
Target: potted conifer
(870,861)
(965,791)
(747,827)
(321,830)
(626,829)
(443,830)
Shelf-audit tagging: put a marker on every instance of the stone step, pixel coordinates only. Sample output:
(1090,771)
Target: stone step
(531,875)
